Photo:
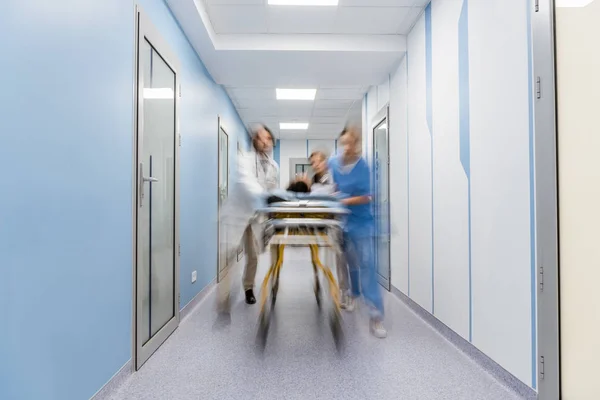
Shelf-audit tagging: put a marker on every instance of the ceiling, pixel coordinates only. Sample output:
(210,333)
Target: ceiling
(252,48)
(350,17)
(326,116)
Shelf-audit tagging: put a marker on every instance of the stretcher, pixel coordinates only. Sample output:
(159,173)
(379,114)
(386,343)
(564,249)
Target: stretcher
(305,221)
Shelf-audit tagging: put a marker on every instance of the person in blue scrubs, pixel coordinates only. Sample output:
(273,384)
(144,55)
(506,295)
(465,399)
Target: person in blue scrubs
(352,176)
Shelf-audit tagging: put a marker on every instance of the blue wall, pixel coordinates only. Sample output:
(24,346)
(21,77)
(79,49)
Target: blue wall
(65,240)
(65,211)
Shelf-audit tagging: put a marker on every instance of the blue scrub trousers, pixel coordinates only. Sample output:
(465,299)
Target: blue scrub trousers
(359,249)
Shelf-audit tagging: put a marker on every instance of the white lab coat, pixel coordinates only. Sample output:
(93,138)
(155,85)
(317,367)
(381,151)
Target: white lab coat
(249,191)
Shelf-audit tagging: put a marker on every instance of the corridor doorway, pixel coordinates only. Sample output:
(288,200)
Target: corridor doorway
(223,194)
(157,250)
(381,203)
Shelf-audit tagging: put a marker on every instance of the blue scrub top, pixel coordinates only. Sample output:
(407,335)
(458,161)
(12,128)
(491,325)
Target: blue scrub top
(356,182)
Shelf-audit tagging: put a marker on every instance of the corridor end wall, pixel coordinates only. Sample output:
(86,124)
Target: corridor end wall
(462,175)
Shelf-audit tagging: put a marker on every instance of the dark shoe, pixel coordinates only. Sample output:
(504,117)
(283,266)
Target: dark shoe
(250,299)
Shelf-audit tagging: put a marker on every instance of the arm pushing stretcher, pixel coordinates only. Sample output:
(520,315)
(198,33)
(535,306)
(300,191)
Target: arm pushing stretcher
(302,220)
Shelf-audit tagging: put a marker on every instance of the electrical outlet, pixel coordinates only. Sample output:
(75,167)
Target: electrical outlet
(194,276)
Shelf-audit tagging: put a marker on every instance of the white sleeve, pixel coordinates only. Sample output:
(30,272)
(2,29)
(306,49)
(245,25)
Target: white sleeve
(273,178)
(247,179)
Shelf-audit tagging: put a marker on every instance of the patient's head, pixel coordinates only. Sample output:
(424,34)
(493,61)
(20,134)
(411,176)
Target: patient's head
(298,186)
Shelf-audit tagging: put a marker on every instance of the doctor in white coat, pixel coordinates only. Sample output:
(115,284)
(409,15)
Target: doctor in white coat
(257,174)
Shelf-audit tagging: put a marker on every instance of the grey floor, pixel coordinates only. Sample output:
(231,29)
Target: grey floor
(204,359)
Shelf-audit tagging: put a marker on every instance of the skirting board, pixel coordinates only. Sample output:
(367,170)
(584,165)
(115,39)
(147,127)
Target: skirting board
(489,365)
(126,371)
(115,382)
(189,307)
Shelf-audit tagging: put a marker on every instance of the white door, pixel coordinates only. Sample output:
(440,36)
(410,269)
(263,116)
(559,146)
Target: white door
(157,181)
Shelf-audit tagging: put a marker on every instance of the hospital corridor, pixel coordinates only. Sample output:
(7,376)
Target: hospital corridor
(299,199)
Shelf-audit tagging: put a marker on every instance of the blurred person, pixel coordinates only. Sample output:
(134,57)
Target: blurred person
(352,178)
(323,183)
(257,174)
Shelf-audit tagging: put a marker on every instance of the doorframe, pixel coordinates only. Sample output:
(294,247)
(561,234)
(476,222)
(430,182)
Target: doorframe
(142,23)
(546,276)
(382,115)
(295,161)
(220,127)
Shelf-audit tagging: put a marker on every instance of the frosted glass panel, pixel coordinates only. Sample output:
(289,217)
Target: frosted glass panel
(157,214)
(223,194)
(382,207)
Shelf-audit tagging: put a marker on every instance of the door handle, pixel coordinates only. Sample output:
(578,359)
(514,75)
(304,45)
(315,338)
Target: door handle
(149,179)
(143,179)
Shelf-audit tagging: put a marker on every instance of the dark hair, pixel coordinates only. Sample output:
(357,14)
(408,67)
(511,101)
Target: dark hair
(317,178)
(298,187)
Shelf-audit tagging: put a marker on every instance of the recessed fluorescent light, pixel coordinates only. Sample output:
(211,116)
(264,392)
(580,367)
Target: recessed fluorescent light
(303,2)
(158,93)
(293,126)
(572,3)
(296,94)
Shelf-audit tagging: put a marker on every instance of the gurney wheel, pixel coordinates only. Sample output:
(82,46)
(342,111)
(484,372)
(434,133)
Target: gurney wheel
(337,331)
(274,293)
(318,293)
(263,331)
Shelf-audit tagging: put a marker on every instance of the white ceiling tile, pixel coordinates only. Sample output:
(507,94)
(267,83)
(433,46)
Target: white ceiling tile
(327,120)
(294,114)
(340,94)
(329,112)
(325,128)
(249,103)
(370,20)
(378,3)
(301,20)
(252,93)
(231,19)
(258,112)
(345,104)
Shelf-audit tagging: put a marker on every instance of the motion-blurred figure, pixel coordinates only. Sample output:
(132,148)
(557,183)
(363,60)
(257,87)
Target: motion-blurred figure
(323,183)
(257,174)
(352,176)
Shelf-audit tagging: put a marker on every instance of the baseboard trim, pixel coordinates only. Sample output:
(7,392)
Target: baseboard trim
(115,382)
(189,307)
(485,362)
(126,370)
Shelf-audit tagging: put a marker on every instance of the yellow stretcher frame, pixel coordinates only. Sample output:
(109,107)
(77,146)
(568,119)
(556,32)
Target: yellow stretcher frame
(312,239)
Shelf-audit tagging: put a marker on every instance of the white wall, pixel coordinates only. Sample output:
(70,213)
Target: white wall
(399,177)
(300,149)
(578,63)
(460,168)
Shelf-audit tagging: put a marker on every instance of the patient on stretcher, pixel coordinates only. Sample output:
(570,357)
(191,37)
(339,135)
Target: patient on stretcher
(301,188)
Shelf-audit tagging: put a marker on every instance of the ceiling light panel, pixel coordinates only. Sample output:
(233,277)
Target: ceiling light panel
(303,2)
(288,126)
(296,94)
